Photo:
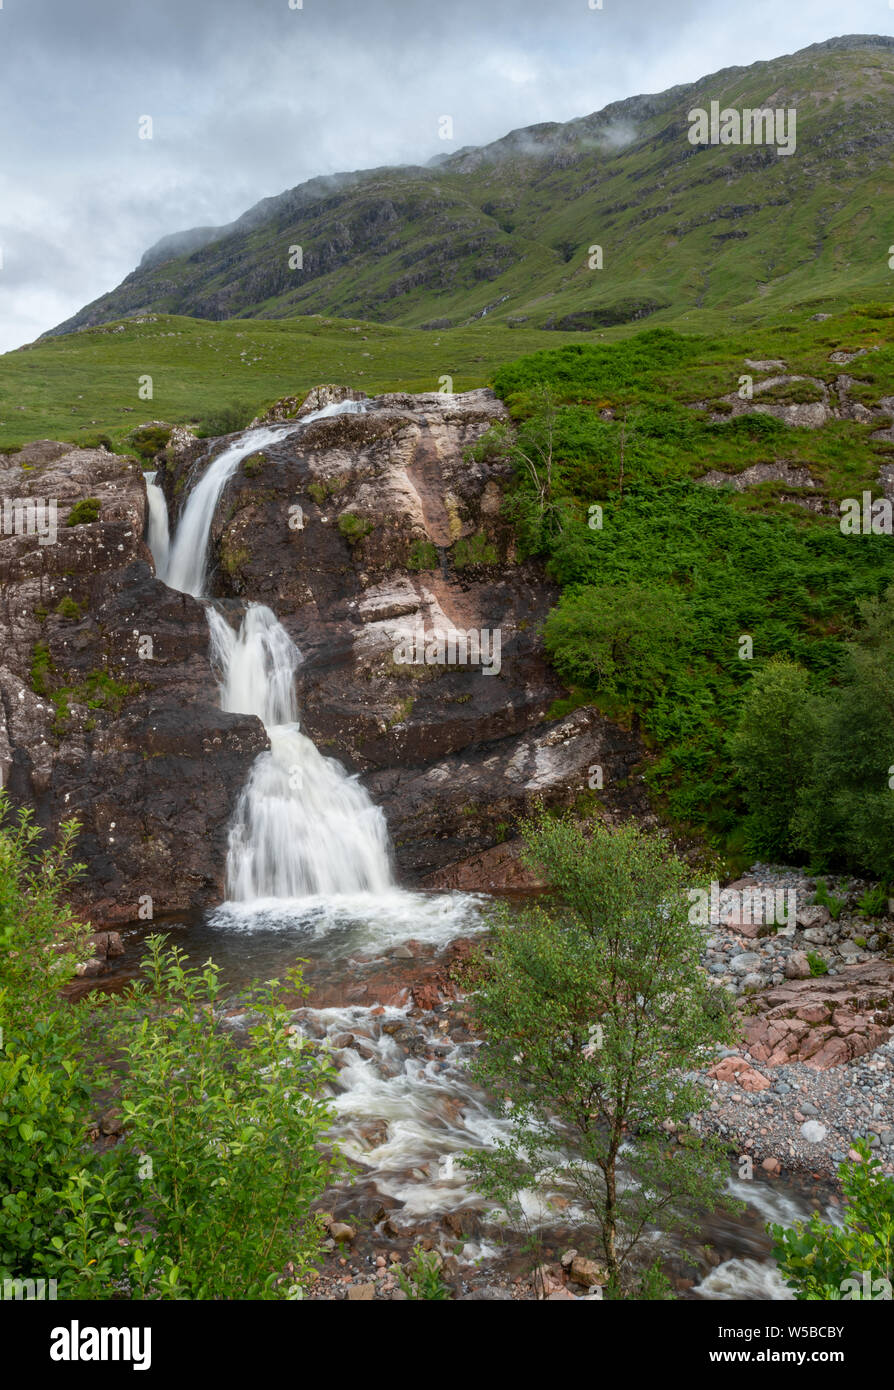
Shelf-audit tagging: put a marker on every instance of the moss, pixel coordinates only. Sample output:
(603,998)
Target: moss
(422,556)
(476,550)
(41,669)
(454,519)
(402,712)
(252,466)
(322,488)
(67,608)
(354,528)
(232,558)
(83,512)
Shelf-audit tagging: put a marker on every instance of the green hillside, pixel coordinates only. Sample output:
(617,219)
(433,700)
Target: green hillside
(706,236)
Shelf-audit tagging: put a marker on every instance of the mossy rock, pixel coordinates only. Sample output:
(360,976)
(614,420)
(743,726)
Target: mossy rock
(68,609)
(475,550)
(84,512)
(422,556)
(353,527)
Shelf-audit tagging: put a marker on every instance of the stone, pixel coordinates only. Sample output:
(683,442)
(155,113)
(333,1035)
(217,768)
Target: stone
(744,963)
(813,1131)
(587,1272)
(815,916)
(797,967)
(771,1165)
(339,1230)
(361,1293)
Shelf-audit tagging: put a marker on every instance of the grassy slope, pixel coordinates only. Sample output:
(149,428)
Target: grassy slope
(74,386)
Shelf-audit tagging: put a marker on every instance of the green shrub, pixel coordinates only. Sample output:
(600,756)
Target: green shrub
(821,1260)
(475,550)
(621,640)
(818,965)
(422,1277)
(823,898)
(228,419)
(253,465)
(874,902)
(422,556)
(592,1008)
(83,512)
(209,1192)
(149,440)
(354,528)
(67,608)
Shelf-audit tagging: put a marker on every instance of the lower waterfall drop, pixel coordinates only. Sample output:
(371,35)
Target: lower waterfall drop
(302,826)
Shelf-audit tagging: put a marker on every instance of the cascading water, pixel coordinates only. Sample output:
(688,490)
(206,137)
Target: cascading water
(186,568)
(302,826)
(159,539)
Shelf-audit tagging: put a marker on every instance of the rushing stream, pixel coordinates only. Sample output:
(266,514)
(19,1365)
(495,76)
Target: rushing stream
(309,873)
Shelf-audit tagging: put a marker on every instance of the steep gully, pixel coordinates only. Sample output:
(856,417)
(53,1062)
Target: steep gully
(309,860)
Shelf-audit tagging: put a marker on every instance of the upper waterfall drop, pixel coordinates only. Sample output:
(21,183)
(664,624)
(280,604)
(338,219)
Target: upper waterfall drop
(186,567)
(158,539)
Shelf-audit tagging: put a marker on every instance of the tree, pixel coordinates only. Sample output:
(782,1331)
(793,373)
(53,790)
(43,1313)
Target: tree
(855,1260)
(846,813)
(623,639)
(593,1008)
(773,748)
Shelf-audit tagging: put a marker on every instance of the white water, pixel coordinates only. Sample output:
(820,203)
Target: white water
(302,826)
(159,540)
(186,566)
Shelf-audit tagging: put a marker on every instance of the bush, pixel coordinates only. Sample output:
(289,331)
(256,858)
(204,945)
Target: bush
(619,639)
(773,748)
(822,1261)
(354,528)
(874,902)
(149,440)
(227,419)
(209,1193)
(818,966)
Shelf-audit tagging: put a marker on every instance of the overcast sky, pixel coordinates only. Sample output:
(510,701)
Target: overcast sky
(250,97)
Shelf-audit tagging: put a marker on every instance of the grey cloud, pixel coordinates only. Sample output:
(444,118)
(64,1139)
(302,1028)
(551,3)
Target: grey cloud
(250,97)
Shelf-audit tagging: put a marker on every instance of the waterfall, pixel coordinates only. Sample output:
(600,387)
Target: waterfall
(158,539)
(187,565)
(302,826)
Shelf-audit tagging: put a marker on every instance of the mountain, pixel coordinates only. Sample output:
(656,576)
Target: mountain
(505,230)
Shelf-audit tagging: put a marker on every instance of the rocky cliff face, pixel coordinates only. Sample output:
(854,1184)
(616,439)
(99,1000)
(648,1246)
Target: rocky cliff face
(131,744)
(369,535)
